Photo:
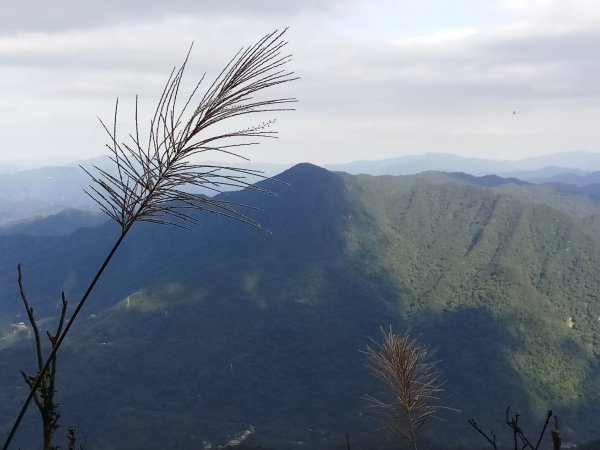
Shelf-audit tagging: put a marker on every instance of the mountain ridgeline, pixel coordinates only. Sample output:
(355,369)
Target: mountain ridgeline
(192,337)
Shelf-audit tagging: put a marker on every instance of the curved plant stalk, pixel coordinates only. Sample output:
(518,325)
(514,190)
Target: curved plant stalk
(152,178)
(413,385)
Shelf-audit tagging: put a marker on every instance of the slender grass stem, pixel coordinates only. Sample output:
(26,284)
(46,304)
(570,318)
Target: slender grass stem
(149,183)
(61,339)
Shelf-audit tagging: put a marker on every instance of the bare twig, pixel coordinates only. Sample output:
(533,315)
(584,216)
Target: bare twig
(518,434)
(150,181)
(518,431)
(514,425)
(491,440)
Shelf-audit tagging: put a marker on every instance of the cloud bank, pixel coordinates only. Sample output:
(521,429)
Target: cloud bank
(378,79)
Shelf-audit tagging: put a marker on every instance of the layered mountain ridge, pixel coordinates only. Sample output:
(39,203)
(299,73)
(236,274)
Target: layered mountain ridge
(193,336)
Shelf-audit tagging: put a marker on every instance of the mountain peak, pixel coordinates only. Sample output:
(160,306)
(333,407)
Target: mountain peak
(303,169)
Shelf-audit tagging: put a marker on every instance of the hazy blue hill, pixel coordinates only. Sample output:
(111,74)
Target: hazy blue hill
(489,180)
(542,174)
(591,190)
(577,179)
(41,192)
(412,164)
(27,195)
(60,224)
(195,336)
(577,162)
(590,178)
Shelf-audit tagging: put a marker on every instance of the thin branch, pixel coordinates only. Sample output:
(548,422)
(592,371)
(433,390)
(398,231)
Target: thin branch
(548,415)
(491,440)
(30,316)
(512,423)
(30,381)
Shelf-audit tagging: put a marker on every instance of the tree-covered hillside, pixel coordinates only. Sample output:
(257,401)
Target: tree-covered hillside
(194,336)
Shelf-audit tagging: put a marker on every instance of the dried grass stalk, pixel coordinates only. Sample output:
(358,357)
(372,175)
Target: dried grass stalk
(413,385)
(152,177)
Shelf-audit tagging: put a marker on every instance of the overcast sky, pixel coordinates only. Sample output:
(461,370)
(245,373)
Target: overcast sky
(379,78)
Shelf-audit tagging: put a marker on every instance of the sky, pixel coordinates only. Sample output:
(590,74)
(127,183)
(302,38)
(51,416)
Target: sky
(378,78)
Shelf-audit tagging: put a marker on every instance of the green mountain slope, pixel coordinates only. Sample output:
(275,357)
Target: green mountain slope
(192,337)
(448,246)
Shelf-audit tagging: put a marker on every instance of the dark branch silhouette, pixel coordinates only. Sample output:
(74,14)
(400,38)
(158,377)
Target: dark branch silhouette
(44,390)
(491,438)
(519,436)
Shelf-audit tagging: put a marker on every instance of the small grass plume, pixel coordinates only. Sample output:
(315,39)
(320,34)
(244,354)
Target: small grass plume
(413,385)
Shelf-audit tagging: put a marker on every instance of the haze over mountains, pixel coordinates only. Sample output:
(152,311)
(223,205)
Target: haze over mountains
(582,162)
(48,190)
(194,336)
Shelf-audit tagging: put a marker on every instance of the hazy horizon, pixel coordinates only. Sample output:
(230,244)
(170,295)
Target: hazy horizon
(8,166)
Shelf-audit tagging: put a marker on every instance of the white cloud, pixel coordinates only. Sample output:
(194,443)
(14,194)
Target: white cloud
(444,37)
(59,15)
(418,82)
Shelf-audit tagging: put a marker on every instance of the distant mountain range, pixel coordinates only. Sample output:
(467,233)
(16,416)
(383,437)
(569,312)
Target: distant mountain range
(26,194)
(192,337)
(574,178)
(43,191)
(29,194)
(570,162)
(62,223)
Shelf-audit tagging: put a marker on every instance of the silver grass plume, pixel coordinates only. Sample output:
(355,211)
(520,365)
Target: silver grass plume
(152,177)
(413,385)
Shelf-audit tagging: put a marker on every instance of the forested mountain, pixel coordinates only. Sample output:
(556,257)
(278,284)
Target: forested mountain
(193,336)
